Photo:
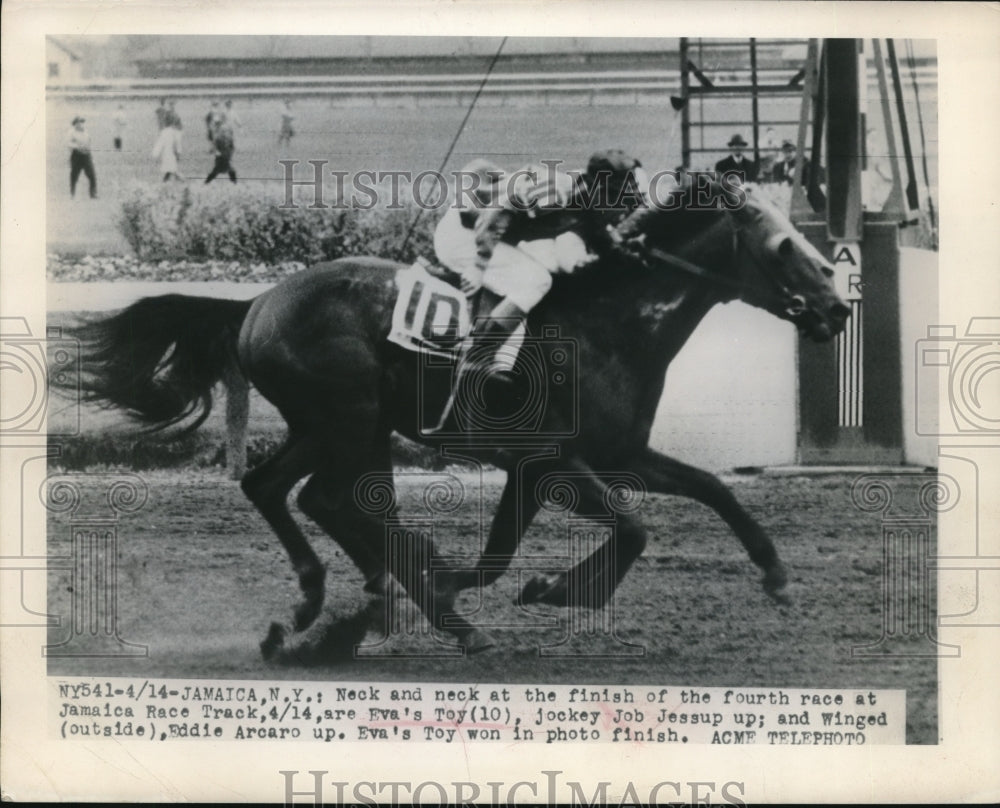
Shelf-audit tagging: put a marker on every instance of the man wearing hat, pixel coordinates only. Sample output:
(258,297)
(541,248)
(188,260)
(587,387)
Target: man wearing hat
(784,169)
(736,163)
(79,157)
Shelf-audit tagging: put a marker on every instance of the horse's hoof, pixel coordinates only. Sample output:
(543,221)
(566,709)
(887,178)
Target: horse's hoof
(273,641)
(775,582)
(550,589)
(307,612)
(781,598)
(378,585)
(477,641)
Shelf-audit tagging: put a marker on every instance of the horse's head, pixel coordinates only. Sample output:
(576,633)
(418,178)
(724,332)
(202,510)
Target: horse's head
(781,272)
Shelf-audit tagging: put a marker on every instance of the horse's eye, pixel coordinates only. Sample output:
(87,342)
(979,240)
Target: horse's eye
(781,246)
(827,270)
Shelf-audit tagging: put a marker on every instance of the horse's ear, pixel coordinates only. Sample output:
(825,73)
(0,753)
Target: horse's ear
(745,211)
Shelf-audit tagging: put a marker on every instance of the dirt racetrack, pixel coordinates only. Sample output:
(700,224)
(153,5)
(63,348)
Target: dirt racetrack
(201,577)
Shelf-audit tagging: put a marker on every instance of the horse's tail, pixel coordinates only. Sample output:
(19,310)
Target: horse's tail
(160,358)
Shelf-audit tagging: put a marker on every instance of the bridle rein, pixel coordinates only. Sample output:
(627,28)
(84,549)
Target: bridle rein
(794,305)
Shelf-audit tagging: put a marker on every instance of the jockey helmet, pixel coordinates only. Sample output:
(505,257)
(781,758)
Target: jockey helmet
(619,177)
(488,176)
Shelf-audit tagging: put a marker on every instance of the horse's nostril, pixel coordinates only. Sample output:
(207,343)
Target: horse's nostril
(839,312)
(796,306)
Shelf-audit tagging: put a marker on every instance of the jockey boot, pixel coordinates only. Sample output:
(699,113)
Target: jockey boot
(478,375)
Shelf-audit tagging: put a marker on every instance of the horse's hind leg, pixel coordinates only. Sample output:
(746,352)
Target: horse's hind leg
(331,499)
(664,475)
(267,486)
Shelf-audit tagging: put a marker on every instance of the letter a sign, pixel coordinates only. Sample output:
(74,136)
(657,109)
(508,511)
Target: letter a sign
(847,269)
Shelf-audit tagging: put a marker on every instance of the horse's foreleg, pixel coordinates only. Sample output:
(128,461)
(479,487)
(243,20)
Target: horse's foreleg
(267,486)
(518,506)
(664,475)
(592,582)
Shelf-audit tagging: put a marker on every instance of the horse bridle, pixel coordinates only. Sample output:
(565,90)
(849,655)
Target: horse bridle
(794,305)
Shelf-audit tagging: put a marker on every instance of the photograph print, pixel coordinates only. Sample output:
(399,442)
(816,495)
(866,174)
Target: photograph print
(494,359)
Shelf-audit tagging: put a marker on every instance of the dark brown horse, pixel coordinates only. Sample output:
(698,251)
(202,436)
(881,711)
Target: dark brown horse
(316,347)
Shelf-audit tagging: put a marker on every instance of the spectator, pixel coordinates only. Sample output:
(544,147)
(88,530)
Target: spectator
(212,121)
(167,150)
(223,146)
(173,119)
(784,169)
(876,175)
(232,116)
(736,163)
(161,114)
(80,158)
(120,122)
(287,132)
(768,152)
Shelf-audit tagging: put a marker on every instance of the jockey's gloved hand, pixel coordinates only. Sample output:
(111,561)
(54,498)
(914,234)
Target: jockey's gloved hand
(631,252)
(634,247)
(636,243)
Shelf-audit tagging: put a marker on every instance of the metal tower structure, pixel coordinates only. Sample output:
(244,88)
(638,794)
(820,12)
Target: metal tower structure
(850,392)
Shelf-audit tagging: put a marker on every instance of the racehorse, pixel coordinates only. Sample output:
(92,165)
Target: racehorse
(316,347)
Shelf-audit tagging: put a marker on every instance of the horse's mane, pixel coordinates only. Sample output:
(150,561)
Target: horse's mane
(668,227)
(685,214)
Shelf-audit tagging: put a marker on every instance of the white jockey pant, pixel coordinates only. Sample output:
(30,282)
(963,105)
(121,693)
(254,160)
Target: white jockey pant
(523,274)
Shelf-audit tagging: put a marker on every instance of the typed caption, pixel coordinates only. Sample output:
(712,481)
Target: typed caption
(194,710)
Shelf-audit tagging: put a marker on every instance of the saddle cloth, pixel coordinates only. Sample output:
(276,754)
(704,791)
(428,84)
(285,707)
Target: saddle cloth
(430,315)
(433,317)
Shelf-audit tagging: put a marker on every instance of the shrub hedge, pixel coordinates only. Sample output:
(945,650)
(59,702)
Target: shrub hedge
(225,223)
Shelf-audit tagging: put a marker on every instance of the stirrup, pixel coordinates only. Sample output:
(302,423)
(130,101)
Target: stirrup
(446,423)
(493,376)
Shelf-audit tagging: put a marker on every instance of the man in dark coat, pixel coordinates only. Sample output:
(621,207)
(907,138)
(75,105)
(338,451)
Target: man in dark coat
(784,169)
(80,158)
(223,146)
(736,163)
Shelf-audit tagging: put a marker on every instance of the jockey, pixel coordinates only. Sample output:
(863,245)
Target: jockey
(455,235)
(533,231)
(536,230)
